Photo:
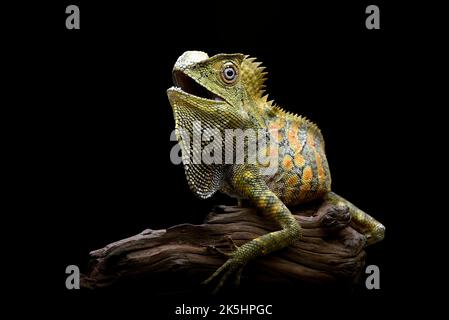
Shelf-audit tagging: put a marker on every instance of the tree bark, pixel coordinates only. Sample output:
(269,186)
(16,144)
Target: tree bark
(330,252)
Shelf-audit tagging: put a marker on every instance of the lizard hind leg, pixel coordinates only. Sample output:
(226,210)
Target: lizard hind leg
(248,182)
(360,220)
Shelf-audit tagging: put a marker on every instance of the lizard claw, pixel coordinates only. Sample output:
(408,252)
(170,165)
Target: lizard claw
(220,251)
(230,267)
(232,244)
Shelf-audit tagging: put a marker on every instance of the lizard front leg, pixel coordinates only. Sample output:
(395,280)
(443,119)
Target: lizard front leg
(247,182)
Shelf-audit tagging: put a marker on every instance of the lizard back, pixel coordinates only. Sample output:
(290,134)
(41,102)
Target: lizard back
(303,172)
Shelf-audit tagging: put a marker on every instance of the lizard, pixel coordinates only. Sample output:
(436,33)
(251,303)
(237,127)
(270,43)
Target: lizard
(227,91)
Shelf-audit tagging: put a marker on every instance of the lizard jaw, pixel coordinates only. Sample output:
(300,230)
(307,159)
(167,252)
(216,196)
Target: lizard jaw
(180,98)
(190,87)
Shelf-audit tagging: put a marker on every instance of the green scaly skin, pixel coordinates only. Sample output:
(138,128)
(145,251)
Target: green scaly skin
(205,91)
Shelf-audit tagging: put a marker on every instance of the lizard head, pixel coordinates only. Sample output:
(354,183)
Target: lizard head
(208,86)
(214,92)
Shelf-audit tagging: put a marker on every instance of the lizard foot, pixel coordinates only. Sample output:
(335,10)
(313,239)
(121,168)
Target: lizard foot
(231,268)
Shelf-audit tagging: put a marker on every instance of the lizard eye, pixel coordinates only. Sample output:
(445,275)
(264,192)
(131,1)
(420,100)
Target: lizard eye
(229,73)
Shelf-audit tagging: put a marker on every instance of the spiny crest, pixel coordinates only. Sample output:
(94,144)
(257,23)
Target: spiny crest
(299,120)
(254,77)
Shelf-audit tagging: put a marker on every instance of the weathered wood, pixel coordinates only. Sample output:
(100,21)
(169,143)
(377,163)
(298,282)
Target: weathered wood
(330,251)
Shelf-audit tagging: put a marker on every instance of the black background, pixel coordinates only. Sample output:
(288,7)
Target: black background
(102,165)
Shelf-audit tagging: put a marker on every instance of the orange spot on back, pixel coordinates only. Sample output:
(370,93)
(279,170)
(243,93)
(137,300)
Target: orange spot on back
(299,160)
(287,162)
(310,138)
(319,165)
(321,173)
(307,174)
(291,190)
(293,137)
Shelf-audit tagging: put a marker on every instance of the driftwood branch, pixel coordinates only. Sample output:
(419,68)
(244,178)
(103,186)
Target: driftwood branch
(331,252)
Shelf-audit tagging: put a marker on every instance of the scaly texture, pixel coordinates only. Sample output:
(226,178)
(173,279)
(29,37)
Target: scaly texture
(226,91)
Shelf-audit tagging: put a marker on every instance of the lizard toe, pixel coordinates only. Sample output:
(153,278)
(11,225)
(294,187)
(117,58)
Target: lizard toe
(230,269)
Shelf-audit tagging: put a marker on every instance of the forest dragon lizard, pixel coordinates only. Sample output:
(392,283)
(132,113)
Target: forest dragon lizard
(226,91)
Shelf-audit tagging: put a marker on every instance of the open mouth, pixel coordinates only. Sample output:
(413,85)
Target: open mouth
(190,86)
